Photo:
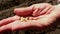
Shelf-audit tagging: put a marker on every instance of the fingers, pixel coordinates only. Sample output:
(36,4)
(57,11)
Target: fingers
(50,10)
(38,13)
(37,10)
(35,13)
(41,9)
(8,20)
(23,11)
(45,10)
(15,26)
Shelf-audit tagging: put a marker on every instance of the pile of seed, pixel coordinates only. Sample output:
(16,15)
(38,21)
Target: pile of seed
(25,19)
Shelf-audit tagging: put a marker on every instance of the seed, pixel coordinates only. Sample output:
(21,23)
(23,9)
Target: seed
(23,19)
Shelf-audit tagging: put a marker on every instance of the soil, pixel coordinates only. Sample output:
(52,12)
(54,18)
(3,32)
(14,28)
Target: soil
(7,7)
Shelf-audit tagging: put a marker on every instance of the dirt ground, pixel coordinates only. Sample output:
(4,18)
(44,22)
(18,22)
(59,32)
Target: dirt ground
(6,10)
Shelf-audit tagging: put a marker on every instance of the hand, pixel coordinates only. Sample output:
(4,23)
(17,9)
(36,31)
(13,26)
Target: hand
(14,23)
(34,10)
(48,19)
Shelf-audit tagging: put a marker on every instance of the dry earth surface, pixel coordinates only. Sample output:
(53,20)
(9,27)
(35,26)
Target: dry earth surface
(6,10)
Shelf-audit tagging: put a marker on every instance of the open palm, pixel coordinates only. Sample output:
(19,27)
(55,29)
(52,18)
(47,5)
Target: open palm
(44,18)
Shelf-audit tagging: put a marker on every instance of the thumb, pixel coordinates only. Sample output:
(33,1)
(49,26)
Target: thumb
(23,11)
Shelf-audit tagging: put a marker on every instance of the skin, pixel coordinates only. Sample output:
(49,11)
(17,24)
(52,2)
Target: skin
(34,10)
(44,18)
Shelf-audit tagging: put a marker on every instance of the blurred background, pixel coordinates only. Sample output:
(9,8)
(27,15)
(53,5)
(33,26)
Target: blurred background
(6,10)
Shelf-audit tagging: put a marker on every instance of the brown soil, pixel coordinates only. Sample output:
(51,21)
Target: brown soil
(7,7)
